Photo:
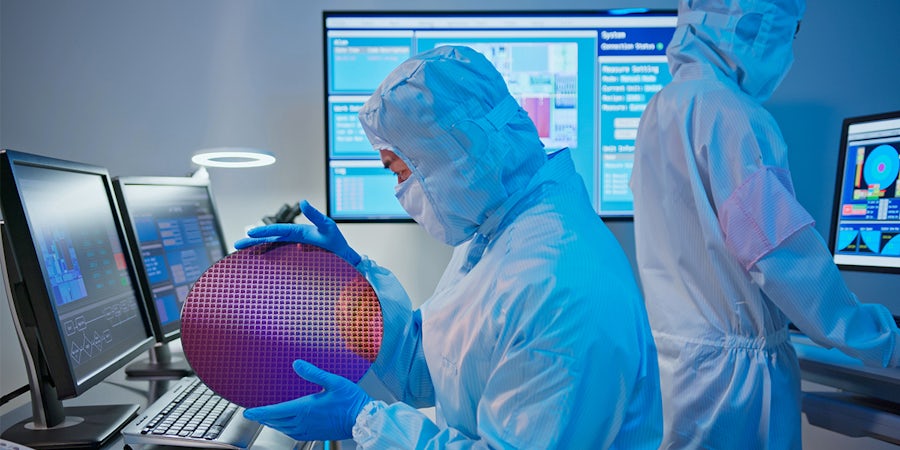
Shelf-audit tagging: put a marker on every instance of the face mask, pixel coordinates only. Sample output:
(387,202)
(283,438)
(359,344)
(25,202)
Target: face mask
(414,201)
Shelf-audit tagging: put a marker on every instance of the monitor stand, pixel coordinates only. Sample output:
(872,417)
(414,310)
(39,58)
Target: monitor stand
(158,370)
(83,427)
(161,365)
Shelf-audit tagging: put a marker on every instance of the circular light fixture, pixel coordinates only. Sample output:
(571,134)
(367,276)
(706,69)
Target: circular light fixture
(233,157)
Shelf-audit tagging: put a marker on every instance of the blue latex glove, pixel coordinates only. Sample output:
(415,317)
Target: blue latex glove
(323,233)
(327,415)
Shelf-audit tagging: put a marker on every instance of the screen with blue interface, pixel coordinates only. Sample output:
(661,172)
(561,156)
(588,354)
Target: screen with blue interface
(178,236)
(866,218)
(583,77)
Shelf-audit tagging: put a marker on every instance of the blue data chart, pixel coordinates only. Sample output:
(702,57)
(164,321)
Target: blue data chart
(364,189)
(625,89)
(884,242)
(179,238)
(346,136)
(358,64)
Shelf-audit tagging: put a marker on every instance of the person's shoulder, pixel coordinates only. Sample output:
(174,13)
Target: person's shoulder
(559,240)
(734,111)
(715,95)
(701,97)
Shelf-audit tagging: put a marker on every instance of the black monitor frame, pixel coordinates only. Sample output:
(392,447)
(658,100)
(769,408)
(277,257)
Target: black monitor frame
(575,15)
(51,376)
(161,364)
(839,185)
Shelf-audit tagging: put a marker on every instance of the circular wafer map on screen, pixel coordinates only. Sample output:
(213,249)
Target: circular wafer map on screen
(882,166)
(254,312)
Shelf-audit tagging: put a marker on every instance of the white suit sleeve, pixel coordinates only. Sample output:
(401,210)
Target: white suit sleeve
(400,364)
(401,426)
(801,279)
(760,214)
(402,368)
(535,396)
(771,235)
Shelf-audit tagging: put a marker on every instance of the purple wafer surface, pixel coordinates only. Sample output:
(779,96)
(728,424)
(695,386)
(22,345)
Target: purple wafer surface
(254,312)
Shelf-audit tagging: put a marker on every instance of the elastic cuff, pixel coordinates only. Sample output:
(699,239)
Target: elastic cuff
(361,430)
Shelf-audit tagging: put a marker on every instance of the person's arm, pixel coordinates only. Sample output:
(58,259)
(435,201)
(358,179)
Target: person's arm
(771,235)
(400,365)
(555,381)
(800,277)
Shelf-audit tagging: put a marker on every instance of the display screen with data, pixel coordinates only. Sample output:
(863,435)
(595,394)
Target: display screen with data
(176,231)
(866,222)
(583,77)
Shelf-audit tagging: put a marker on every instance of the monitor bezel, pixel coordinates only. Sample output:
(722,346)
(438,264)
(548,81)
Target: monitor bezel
(172,330)
(39,302)
(326,14)
(839,184)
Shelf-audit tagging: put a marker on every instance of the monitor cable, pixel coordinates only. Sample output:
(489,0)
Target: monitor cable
(8,397)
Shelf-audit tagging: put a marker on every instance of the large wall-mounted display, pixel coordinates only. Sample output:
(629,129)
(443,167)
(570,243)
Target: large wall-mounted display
(584,78)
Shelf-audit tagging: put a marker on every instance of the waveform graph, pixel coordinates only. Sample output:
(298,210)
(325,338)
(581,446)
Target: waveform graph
(90,345)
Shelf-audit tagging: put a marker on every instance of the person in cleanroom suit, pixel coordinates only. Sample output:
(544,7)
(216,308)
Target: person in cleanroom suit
(536,335)
(726,254)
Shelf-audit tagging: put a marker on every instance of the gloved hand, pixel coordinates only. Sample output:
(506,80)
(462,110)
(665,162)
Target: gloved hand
(324,233)
(327,415)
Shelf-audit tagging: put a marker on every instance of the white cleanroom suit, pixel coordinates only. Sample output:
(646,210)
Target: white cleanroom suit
(727,256)
(536,336)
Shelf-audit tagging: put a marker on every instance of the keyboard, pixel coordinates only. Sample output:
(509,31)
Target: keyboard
(191,415)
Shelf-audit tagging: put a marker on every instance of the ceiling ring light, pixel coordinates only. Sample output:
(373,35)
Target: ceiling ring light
(233,157)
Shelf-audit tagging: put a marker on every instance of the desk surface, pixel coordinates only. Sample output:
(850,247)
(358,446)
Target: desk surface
(832,368)
(868,403)
(118,389)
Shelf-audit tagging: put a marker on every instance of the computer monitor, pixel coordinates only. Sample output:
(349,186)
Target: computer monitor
(73,291)
(865,244)
(173,227)
(865,222)
(584,77)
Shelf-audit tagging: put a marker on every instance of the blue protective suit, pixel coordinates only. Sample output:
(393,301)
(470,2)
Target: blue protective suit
(727,256)
(536,336)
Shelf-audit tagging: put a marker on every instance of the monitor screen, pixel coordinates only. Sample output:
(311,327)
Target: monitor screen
(583,77)
(865,226)
(79,289)
(173,227)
